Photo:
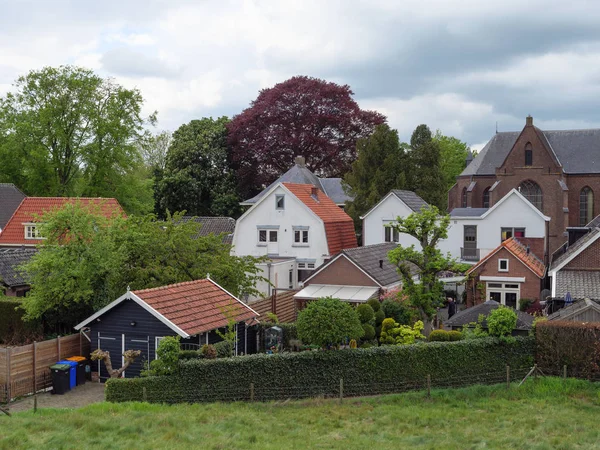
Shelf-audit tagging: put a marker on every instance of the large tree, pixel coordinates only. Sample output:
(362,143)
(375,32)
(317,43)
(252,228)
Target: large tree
(302,116)
(197,176)
(427,178)
(453,156)
(66,131)
(381,166)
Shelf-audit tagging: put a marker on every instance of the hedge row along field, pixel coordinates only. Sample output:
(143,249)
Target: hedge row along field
(306,374)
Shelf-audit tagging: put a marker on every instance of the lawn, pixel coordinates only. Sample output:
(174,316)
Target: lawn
(545,414)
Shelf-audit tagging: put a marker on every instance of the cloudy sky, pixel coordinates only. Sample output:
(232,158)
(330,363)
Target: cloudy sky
(461,66)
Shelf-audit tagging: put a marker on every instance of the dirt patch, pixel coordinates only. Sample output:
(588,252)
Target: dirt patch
(77,398)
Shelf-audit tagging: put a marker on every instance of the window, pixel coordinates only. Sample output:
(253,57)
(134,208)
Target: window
(503,265)
(470,252)
(262,235)
(507,233)
(463,201)
(265,236)
(273,236)
(310,265)
(390,234)
(279,202)
(32,232)
(528,155)
(586,206)
(532,192)
(157,340)
(486,198)
(301,237)
(291,279)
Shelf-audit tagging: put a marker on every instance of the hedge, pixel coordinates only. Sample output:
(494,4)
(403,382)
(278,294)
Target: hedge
(574,344)
(13,330)
(364,371)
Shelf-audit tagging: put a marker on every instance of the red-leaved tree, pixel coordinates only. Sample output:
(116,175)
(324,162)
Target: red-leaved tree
(302,116)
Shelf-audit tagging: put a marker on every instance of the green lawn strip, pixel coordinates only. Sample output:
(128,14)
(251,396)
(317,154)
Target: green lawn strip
(549,413)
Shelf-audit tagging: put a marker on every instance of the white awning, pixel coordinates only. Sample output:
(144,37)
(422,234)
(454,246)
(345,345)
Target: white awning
(345,293)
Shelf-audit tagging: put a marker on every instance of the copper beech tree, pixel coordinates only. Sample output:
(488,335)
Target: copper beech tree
(129,357)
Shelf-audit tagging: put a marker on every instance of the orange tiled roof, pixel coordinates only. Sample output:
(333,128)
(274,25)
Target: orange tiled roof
(339,227)
(30,207)
(520,252)
(196,306)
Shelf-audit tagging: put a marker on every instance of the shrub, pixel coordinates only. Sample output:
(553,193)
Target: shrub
(353,343)
(328,321)
(379,316)
(454,335)
(501,321)
(369,332)
(399,311)
(374,303)
(374,370)
(439,335)
(401,334)
(525,303)
(167,357)
(224,349)
(190,354)
(365,313)
(209,352)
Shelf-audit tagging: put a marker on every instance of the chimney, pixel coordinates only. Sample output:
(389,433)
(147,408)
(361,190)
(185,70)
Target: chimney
(529,121)
(300,161)
(381,263)
(314,192)
(528,249)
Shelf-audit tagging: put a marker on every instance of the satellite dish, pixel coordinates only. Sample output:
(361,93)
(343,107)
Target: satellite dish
(545,295)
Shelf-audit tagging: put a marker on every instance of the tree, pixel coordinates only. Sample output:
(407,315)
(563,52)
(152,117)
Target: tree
(66,131)
(501,321)
(197,176)
(427,177)
(428,227)
(380,167)
(453,155)
(154,153)
(302,116)
(129,356)
(328,321)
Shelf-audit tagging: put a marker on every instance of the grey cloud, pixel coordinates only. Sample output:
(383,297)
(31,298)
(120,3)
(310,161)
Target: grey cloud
(126,62)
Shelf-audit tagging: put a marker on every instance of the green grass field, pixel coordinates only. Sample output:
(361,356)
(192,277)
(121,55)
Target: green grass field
(547,414)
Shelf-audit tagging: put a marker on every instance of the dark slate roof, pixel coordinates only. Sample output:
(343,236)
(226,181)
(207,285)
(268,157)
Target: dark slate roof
(10,260)
(368,257)
(10,199)
(573,309)
(580,283)
(595,223)
(214,225)
(577,245)
(468,212)
(466,316)
(299,174)
(578,151)
(412,200)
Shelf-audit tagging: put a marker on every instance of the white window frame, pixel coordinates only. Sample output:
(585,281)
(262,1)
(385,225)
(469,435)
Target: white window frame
(503,291)
(390,234)
(32,235)
(282,198)
(157,340)
(303,237)
(267,232)
(500,261)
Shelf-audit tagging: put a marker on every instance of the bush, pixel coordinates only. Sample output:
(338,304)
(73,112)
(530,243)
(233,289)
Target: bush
(454,335)
(224,349)
(374,370)
(374,303)
(190,354)
(439,336)
(13,329)
(369,332)
(365,313)
(501,321)
(167,357)
(379,316)
(209,352)
(290,333)
(525,303)
(398,311)
(400,334)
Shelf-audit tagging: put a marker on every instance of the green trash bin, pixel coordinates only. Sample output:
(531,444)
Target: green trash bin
(61,374)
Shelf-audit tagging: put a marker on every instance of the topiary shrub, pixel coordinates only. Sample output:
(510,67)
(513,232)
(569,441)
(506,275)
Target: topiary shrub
(365,313)
(208,351)
(374,303)
(167,357)
(439,336)
(353,343)
(224,349)
(454,335)
(369,332)
(501,321)
(379,316)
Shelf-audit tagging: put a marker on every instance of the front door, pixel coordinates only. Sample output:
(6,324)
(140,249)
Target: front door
(507,294)
(470,243)
(111,344)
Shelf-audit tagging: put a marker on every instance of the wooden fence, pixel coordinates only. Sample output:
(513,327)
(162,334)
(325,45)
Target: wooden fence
(25,370)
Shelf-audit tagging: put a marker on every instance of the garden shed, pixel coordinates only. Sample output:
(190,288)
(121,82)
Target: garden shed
(471,315)
(193,310)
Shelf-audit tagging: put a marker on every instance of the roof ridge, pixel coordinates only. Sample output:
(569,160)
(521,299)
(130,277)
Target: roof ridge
(168,286)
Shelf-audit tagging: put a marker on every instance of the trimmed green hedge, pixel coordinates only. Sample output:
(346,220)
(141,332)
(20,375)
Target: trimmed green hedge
(364,371)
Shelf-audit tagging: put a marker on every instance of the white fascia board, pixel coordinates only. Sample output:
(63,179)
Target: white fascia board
(514,191)
(504,279)
(378,203)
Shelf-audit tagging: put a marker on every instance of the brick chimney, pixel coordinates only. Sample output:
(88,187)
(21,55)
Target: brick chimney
(300,161)
(529,121)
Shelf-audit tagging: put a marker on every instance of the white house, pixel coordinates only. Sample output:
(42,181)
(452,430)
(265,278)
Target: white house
(475,232)
(297,227)
(397,203)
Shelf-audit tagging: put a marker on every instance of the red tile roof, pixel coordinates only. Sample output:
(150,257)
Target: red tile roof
(30,207)
(196,306)
(520,252)
(339,227)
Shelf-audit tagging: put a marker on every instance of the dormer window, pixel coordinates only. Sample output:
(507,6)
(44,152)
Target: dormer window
(279,202)
(528,155)
(32,231)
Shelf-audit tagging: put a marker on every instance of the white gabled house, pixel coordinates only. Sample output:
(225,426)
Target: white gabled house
(297,227)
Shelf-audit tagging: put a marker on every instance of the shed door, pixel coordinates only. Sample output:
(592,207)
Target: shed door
(112,344)
(141,343)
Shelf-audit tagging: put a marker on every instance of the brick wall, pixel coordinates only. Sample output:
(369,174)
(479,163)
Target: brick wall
(342,272)
(589,259)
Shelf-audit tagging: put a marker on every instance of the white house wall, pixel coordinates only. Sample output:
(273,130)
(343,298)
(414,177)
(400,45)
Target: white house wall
(279,275)
(386,212)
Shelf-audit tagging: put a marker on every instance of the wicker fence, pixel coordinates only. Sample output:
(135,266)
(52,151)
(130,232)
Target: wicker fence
(25,369)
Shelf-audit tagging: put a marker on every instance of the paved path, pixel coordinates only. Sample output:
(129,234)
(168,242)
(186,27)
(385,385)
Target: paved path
(76,398)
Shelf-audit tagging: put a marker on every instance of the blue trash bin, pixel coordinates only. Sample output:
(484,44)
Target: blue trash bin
(72,372)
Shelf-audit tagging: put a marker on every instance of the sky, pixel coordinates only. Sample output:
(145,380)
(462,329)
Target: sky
(462,66)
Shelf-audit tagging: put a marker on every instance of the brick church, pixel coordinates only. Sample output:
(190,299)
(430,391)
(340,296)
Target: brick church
(557,171)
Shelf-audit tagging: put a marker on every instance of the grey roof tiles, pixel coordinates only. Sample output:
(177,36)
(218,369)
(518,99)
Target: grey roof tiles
(10,199)
(468,212)
(10,262)
(580,283)
(215,225)
(469,315)
(410,199)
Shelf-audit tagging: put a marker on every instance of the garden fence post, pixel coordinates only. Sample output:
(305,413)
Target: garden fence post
(144,394)
(341,389)
(428,386)
(8,382)
(251,392)
(34,367)
(535,371)
(565,371)
(58,347)
(507,376)
(35,402)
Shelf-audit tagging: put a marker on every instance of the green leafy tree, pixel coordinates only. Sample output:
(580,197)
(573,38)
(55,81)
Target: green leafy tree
(428,227)
(380,167)
(426,175)
(328,321)
(197,177)
(67,132)
(502,321)
(453,155)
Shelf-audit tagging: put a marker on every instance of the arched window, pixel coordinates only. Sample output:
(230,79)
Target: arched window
(586,206)
(528,155)
(532,192)
(486,198)
(463,200)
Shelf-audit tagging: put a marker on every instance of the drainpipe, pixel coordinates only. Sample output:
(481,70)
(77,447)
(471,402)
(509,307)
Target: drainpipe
(269,277)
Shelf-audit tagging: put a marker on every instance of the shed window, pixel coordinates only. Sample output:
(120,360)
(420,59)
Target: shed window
(157,340)
(586,206)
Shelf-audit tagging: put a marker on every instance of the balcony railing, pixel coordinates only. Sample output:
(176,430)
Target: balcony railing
(469,254)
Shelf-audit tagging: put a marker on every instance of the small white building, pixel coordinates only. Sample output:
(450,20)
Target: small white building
(475,232)
(397,203)
(297,227)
